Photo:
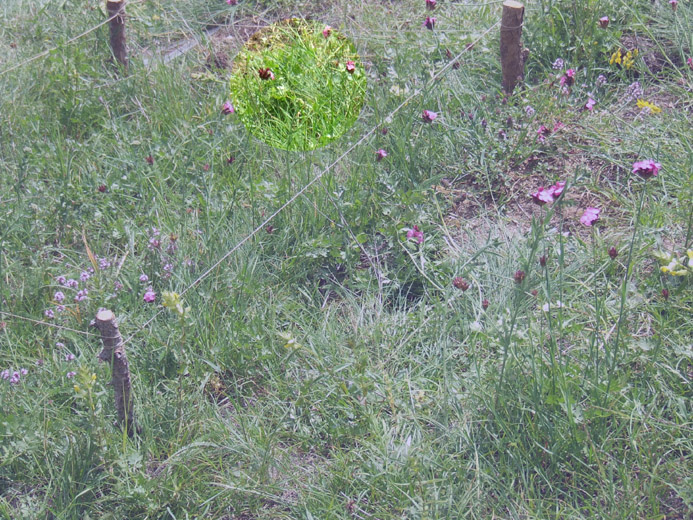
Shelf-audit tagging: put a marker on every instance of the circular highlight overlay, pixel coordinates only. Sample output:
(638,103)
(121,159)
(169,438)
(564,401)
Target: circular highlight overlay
(298,84)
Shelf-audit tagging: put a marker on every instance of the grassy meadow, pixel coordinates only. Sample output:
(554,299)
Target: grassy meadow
(483,310)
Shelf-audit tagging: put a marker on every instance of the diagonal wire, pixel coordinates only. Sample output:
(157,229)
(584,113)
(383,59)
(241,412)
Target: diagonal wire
(68,42)
(316,179)
(47,324)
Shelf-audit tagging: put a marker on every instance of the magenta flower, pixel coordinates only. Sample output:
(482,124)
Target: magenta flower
(647,168)
(543,133)
(150,295)
(590,216)
(59,296)
(350,67)
(144,278)
(429,23)
(380,155)
(265,74)
(542,196)
(428,116)
(15,378)
(690,62)
(604,22)
(48,313)
(416,234)
(558,126)
(557,189)
(227,108)
(568,78)
(232,2)
(431,4)
(674,4)
(327,31)
(590,104)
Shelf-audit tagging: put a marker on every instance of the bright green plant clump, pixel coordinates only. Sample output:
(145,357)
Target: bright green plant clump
(298,85)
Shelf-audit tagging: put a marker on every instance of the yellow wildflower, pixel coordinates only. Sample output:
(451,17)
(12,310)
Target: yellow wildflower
(650,107)
(615,58)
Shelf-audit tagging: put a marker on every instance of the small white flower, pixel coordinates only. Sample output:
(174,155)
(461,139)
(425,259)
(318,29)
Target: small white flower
(556,305)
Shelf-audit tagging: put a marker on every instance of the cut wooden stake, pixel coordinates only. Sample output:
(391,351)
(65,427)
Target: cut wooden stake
(114,353)
(116,11)
(512,56)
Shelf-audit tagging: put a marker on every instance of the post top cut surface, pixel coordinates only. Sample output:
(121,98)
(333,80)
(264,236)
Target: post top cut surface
(105,315)
(513,4)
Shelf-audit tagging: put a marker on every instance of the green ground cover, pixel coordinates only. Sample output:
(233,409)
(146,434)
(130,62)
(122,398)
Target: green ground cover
(412,337)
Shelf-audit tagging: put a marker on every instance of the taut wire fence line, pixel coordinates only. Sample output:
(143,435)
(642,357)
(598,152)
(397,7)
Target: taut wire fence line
(291,200)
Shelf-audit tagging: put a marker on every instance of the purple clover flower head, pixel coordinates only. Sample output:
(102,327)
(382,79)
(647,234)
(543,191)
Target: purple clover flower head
(15,378)
(5,374)
(590,216)
(84,276)
(558,64)
(61,280)
(23,371)
(149,296)
(416,234)
(69,356)
(58,296)
(647,168)
(48,313)
(71,374)
(81,295)
(428,116)
(144,278)
(72,283)
(634,91)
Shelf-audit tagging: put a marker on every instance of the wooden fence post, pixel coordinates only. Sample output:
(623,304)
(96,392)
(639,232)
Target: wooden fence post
(114,353)
(512,56)
(116,11)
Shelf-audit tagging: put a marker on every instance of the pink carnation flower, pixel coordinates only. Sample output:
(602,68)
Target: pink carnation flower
(590,216)
(647,168)
(428,116)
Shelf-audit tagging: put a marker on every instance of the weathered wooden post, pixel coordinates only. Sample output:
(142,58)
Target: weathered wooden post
(512,55)
(116,12)
(114,353)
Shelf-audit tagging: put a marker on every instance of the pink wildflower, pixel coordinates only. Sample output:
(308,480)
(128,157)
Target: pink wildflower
(558,126)
(71,374)
(416,234)
(431,4)
(144,278)
(542,196)
(61,280)
(674,4)
(380,155)
(72,283)
(590,104)
(327,31)
(557,189)
(429,23)
(232,2)
(350,67)
(543,133)
(227,108)
(5,374)
(59,296)
(604,22)
(428,116)
(48,313)
(590,216)
(265,74)
(150,295)
(647,168)
(69,356)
